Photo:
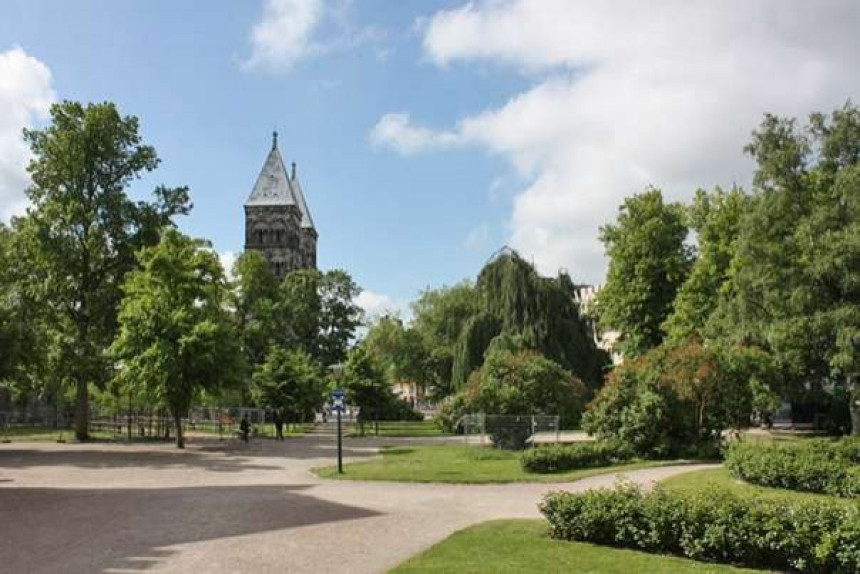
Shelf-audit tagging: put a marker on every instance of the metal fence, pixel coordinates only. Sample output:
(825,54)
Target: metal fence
(129,425)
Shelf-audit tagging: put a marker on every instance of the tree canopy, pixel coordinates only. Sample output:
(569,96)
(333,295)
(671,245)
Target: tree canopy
(80,234)
(539,312)
(648,263)
(176,338)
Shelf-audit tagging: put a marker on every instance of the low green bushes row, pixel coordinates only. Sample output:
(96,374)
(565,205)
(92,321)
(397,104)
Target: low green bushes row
(831,467)
(716,526)
(561,457)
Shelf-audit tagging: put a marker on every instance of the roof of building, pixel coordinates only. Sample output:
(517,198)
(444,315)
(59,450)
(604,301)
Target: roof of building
(275,187)
(307,222)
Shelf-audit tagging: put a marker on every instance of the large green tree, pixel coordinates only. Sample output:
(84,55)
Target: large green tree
(439,316)
(525,383)
(289,382)
(254,298)
(365,385)
(299,310)
(716,219)
(176,338)
(648,263)
(81,232)
(339,317)
(795,275)
(540,313)
(400,350)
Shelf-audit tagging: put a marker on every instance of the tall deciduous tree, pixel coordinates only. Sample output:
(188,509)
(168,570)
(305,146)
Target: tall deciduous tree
(176,338)
(365,385)
(289,382)
(81,233)
(400,350)
(539,312)
(796,273)
(255,296)
(648,263)
(716,219)
(439,317)
(339,315)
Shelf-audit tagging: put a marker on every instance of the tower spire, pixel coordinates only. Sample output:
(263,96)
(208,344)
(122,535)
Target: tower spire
(275,139)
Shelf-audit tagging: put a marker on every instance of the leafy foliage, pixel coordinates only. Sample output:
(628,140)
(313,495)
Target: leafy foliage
(561,457)
(648,263)
(716,526)
(815,465)
(290,383)
(439,317)
(716,219)
(175,337)
(80,236)
(538,312)
(674,398)
(401,351)
(525,383)
(794,276)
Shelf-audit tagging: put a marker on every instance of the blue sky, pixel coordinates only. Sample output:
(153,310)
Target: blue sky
(428,134)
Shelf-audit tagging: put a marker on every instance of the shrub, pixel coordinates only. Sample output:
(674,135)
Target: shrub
(816,466)
(397,410)
(717,526)
(451,410)
(525,383)
(675,396)
(560,457)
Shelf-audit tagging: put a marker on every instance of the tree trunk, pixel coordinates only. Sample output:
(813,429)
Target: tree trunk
(180,440)
(82,412)
(854,397)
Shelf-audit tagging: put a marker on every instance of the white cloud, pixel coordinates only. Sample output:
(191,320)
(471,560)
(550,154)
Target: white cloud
(628,94)
(289,31)
(376,305)
(397,132)
(285,34)
(25,96)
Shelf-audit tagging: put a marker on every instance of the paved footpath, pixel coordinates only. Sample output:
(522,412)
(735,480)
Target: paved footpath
(230,507)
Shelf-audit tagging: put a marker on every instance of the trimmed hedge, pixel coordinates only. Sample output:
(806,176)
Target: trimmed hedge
(718,526)
(561,457)
(825,466)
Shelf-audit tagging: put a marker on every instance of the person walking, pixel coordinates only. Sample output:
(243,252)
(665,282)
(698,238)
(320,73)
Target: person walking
(279,426)
(245,427)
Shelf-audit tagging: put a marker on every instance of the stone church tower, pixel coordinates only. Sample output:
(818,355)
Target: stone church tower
(278,223)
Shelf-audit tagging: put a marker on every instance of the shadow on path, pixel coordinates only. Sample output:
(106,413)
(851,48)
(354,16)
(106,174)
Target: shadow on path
(82,457)
(71,530)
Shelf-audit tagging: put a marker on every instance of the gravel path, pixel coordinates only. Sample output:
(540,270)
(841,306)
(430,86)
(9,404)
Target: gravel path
(231,507)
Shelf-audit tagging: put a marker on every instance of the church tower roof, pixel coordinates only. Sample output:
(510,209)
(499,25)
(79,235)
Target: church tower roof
(307,222)
(275,188)
(273,185)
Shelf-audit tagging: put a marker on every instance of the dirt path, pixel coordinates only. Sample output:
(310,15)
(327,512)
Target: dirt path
(256,508)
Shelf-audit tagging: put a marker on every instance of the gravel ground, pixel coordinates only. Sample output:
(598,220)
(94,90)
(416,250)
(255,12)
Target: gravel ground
(230,507)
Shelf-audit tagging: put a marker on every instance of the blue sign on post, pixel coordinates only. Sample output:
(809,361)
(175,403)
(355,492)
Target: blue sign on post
(337,400)
(338,407)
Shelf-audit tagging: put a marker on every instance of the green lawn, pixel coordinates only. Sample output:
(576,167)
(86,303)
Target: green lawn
(397,429)
(459,464)
(705,480)
(523,546)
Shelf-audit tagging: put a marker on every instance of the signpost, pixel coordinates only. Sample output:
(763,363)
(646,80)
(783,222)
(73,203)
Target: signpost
(337,404)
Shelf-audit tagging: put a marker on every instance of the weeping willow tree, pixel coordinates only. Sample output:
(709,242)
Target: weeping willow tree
(540,313)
